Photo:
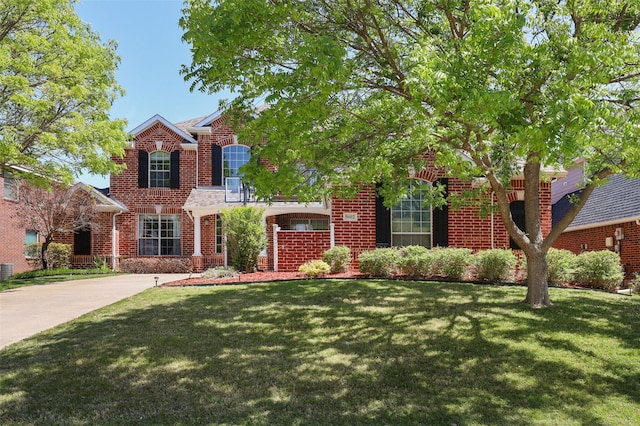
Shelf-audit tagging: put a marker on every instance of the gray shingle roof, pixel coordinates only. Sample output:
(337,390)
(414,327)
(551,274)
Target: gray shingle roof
(615,201)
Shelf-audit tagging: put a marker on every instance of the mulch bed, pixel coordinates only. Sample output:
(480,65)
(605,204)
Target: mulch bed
(254,277)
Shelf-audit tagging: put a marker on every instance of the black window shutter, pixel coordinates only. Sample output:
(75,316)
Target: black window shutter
(174,174)
(383,223)
(518,215)
(143,169)
(216,165)
(440,218)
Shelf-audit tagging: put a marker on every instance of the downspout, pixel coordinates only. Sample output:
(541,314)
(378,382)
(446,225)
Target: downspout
(113,240)
(493,243)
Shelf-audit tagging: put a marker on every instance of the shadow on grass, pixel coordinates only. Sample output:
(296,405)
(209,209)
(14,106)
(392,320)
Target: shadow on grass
(338,352)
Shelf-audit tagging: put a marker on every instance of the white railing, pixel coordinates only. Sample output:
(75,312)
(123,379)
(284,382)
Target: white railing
(236,191)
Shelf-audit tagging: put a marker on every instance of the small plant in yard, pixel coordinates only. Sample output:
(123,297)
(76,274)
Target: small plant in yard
(560,263)
(598,269)
(338,258)
(450,262)
(382,262)
(220,272)
(415,261)
(315,268)
(494,264)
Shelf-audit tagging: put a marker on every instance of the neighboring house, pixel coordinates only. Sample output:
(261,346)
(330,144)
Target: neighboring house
(15,237)
(610,219)
(179,177)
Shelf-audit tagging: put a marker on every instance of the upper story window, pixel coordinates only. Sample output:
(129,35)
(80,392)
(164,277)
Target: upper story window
(234,157)
(411,218)
(10,187)
(159,169)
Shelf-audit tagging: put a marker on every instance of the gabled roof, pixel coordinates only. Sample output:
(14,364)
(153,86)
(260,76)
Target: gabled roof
(105,202)
(617,201)
(159,119)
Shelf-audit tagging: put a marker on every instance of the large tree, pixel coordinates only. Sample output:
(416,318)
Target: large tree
(497,88)
(57,84)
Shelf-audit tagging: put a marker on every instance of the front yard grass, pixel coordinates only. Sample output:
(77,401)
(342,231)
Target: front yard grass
(40,277)
(333,352)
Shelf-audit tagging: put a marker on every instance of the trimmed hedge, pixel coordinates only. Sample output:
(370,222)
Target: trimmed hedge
(338,258)
(380,263)
(598,269)
(494,264)
(156,265)
(314,268)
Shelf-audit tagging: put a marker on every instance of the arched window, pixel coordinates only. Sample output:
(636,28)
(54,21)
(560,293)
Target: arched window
(159,169)
(411,218)
(518,215)
(234,157)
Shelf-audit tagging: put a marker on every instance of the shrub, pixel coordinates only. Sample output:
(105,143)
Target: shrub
(156,265)
(220,272)
(314,268)
(246,236)
(58,255)
(415,261)
(494,264)
(338,258)
(560,264)
(598,269)
(381,262)
(450,262)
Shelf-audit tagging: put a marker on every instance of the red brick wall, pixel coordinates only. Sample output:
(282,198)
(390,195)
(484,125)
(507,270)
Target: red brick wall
(12,235)
(359,235)
(594,238)
(298,247)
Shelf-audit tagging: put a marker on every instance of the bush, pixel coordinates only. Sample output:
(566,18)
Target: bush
(381,262)
(598,269)
(246,236)
(314,268)
(220,272)
(494,264)
(58,255)
(560,263)
(156,265)
(450,262)
(415,261)
(338,258)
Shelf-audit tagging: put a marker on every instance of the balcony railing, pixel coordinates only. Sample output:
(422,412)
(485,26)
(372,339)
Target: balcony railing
(237,191)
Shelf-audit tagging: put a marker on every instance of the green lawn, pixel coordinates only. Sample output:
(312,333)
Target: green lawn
(80,274)
(333,352)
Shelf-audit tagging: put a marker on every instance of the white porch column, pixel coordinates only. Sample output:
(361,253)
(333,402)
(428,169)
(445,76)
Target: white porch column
(332,229)
(197,239)
(276,228)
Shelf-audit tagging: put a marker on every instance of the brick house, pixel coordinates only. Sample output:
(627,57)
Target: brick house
(180,175)
(610,219)
(85,245)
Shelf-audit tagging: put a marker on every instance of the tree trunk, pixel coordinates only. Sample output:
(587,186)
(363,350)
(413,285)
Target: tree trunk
(44,254)
(537,280)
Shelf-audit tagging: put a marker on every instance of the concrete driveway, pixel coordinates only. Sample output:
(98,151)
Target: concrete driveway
(29,310)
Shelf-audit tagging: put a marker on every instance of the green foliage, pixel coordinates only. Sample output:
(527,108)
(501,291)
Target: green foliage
(382,262)
(58,255)
(338,258)
(450,262)
(598,269)
(246,236)
(517,85)
(415,261)
(560,263)
(494,264)
(57,85)
(220,272)
(315,268)
(156,265)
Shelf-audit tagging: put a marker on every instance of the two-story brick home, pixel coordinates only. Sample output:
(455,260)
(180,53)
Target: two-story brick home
(180,175)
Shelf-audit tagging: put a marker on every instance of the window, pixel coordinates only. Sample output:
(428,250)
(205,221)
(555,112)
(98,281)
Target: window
(10,187)
(518,215)
(218,233)
(31,238)
(411,218)
(159,169)
(309,224)
(159,235)
(82,242)
(234,157)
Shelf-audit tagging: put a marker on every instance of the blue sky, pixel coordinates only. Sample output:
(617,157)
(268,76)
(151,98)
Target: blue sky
(151,52)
